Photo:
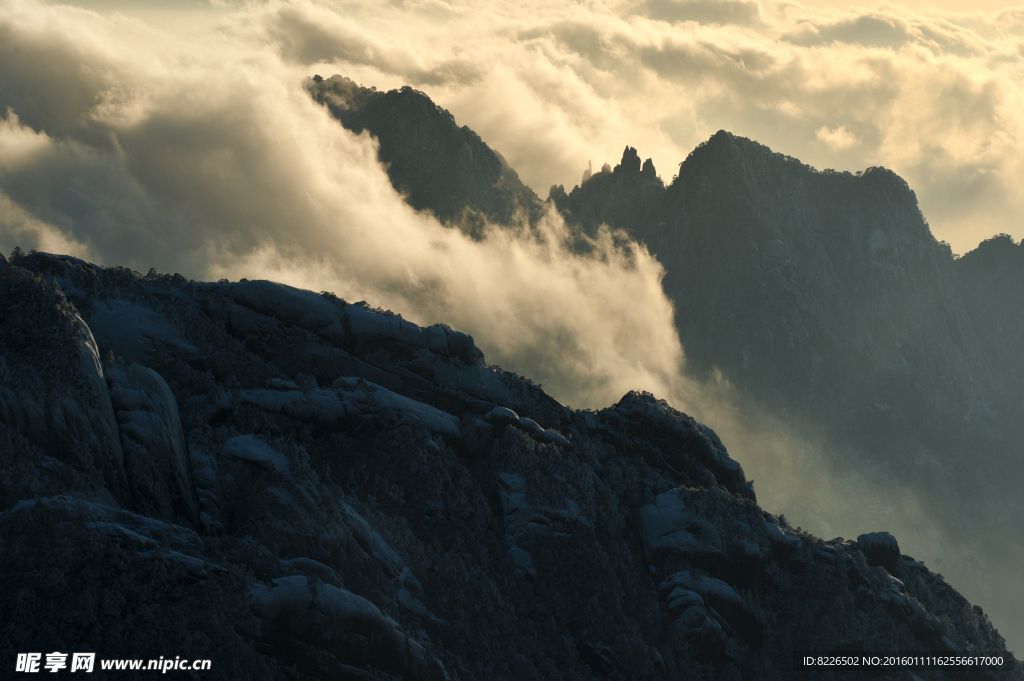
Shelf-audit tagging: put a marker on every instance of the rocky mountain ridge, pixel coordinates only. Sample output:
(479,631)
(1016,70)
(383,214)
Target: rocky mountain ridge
(301,488)
(825,295)
(992,285)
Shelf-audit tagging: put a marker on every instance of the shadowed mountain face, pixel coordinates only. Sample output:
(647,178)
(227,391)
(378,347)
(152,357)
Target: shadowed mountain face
(792,282)
(991,279)
(300,488)
(436,164)
(819,292)
(824,294)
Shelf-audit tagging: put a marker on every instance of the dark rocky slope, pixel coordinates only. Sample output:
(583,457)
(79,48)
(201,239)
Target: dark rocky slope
(437,165)
(301,488)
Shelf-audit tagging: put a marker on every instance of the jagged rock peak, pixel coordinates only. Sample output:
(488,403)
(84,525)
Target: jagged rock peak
(343,92)
(648,168)
(630,161)
(588,173)
(725,147)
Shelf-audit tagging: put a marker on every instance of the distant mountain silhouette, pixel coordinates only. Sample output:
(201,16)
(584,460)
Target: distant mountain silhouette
(439,166)
(628,194)
(793,282)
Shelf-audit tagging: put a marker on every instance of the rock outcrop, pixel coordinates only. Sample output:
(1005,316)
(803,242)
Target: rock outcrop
(313,489)
(630,162)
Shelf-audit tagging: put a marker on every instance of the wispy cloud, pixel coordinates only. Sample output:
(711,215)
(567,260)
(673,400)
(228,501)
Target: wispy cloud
(836,138)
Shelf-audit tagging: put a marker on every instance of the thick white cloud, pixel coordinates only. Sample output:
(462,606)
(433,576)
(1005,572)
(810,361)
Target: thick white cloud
(936,96)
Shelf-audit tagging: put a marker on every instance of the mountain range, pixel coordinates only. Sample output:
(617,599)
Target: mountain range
(824,298)
(299,487)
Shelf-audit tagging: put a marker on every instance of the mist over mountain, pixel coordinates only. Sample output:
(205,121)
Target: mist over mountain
(825,295)
(431,160)
(825,299)
(822,293)
(297,487)
(791,281)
